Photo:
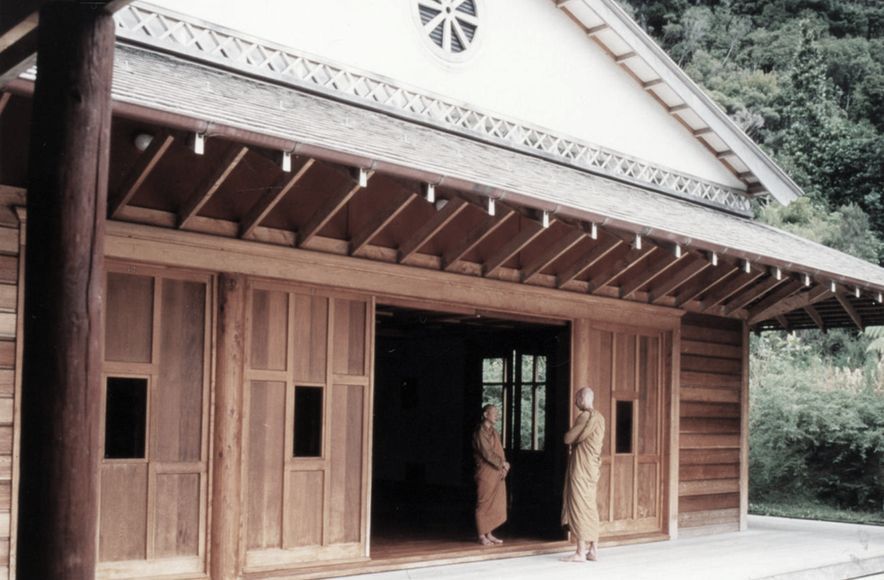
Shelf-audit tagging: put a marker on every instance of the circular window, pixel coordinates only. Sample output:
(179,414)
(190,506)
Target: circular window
(451,26)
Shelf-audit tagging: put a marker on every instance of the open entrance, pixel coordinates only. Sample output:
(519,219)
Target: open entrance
(433,373)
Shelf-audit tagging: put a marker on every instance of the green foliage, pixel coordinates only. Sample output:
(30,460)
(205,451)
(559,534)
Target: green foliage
(815,510)
(816,430)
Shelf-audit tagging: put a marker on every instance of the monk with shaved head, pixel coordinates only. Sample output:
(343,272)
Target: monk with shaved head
(580,511)
(491,470)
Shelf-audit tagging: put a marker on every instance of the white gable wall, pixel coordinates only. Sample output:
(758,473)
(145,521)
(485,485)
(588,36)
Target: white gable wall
(531,64)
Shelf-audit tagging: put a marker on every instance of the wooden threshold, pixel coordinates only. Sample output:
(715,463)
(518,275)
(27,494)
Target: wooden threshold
(443,557)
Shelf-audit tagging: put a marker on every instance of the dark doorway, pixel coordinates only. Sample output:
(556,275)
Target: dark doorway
(433,373)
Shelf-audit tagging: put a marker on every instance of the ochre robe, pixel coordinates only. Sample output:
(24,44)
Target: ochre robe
(580,511)
(490,480)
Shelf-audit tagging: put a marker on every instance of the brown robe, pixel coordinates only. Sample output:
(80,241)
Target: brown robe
(580,511)
(490,481)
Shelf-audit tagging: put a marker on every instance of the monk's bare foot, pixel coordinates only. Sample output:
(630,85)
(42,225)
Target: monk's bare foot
(485,541)
(592,556)
(579,558)
(494,539)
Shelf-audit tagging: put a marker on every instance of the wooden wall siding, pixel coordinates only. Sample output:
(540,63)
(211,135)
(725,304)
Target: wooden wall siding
(153,510)
(11,272)
(304,509)
(624,363)
(710,420)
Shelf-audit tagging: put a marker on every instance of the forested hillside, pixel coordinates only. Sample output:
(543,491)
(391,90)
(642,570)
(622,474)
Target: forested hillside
(805,79)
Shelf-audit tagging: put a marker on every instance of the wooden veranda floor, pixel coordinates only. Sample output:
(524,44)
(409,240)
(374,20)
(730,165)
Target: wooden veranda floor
(772,548)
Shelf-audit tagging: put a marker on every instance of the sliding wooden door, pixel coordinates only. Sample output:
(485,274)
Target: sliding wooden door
(154,432)
(308,392)
(625,366)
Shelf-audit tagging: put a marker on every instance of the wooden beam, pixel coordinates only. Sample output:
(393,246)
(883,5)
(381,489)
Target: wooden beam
(651,84)
(702,131)
(769,306)
(678,108)
(746,297)
(597,29)
(850,310)
(228,426)
(624,264)
(677,278)
(625,56)
(783,322)
(139,173)
(530,232)
(207,189)
(815,316)
(588,260)
(333,204)
(381,220)
(64,286)
(433,226)
(476,236)
(553,253)
(703,284)
(273,195)
(4,100)
(719,295)
(812,296)
(641,279)
(723,154)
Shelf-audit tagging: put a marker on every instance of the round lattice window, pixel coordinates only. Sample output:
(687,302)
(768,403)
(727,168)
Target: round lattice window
(452,26)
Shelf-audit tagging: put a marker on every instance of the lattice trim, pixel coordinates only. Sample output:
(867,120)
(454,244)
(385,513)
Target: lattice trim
(174,33)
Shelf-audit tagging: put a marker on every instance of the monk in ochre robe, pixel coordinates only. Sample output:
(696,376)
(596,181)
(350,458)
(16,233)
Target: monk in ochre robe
(580,511)
(491,471)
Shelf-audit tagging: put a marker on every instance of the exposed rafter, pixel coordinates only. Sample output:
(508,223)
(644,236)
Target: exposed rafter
(654,271)
(815,316)
(702,284)
(677,278)
(767,307)
(139,173)
(477,235)
(752,293)
(530,232)
(207,189)
(784,306)
(850,310)
(380,220)
(333,204)
(552,253)
(4,100)
(432,227)
(274,195)
(588,260)
(624,264)
(733,286)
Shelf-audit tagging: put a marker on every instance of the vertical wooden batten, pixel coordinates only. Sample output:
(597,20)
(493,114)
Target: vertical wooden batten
(744,432)
(228,421)
(61,390)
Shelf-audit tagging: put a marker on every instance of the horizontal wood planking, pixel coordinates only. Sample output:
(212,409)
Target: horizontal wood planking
(9,241)
(711,378)
(709,471)
(700,531)
(699,503)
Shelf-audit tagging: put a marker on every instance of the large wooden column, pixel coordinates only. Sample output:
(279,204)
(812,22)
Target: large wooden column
(61,389)
(227,448)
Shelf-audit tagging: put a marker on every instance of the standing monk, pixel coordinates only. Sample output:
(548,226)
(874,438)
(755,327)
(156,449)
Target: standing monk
(491,470)
(580,511)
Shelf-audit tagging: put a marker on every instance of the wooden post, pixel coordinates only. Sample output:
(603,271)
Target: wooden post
(61,392)
(744,432)
(227,460)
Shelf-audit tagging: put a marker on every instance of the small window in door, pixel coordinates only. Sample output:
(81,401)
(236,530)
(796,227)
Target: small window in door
(532,388)
(493,380)
(308,422)
(125,418)
(623,435)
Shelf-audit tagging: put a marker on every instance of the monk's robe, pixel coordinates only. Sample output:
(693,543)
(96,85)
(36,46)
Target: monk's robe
(580,511)
(490,481)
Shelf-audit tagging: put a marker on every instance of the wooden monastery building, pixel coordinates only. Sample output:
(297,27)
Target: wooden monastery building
(262,263)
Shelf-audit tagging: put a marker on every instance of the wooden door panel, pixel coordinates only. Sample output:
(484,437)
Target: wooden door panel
(308,421)
(625,364)
(303,520)
(129,333)
(177,506)
(269,330)
(345,473)
(123,525)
